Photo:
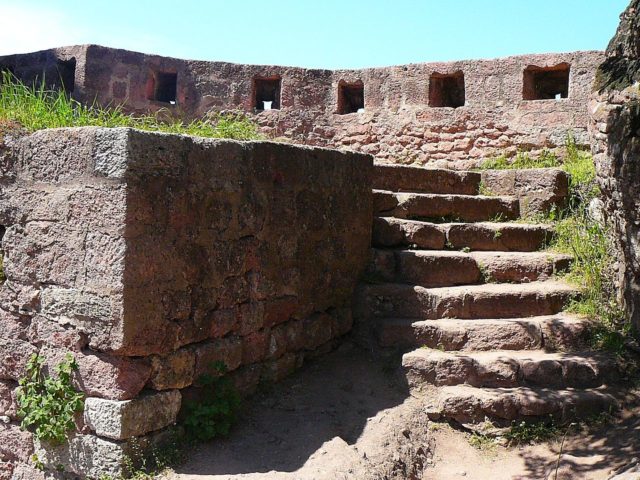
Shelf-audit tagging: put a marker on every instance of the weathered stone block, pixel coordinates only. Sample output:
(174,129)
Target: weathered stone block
(15,444)
(14,355)
(175,370)
(120,420)
(226,350)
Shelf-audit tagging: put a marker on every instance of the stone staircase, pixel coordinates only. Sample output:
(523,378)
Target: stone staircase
(471,297)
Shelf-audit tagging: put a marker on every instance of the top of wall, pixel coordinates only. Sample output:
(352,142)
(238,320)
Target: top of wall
(72,50)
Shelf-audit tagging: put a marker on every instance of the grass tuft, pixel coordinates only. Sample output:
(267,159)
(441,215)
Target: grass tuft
(36,107)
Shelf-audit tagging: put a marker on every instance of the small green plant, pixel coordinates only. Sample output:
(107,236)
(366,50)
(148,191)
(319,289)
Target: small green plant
(485,273)
(484,443)
(465,249)
(48,404)
(215,415)
(36,107)
(484,190)
(522,433)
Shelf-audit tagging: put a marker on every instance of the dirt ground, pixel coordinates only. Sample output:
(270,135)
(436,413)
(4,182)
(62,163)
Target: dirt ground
(346,416)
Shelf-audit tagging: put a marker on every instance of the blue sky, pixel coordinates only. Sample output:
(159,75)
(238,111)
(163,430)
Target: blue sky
(321,33)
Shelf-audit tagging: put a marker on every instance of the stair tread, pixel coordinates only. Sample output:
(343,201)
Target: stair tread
(520,355)
(515,256)
(489,288)
(562,317)
(405,195)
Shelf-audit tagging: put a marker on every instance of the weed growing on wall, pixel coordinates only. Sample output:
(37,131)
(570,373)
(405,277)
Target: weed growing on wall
(522,160)
(214,415)
(36,108)
(48,404)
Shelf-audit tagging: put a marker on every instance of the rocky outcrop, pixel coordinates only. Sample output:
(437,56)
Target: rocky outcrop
(615,113)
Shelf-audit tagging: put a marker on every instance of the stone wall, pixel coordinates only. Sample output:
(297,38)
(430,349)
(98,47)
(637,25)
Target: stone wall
(151,256)
(443,114)
(615,113)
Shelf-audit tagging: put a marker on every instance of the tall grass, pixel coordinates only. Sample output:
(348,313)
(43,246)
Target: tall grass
(36,107)
(590,242)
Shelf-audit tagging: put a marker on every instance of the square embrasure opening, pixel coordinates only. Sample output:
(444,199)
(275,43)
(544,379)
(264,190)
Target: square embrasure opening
(164,87)
(446,90)
(66,74)
(546,83)
(350,97)
(267,93)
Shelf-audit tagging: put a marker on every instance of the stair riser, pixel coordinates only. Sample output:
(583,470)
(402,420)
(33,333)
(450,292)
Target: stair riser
(480,335)
(505,372)
(469,409)
(441,270)
(468,209)
(408,302)
(507,239)
(408,179)
(390,233)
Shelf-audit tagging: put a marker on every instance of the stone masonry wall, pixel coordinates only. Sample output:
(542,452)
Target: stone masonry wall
(151,256)
(615,114)
(402,122)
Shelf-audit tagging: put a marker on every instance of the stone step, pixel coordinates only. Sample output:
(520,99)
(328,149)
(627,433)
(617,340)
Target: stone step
(424,206)
(441,268)
(394,300)
(552,332)
(402,178)
(396,232)
(509,368)
(468,405)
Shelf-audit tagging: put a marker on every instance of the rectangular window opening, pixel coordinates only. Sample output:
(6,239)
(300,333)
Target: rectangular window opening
(447,90)
(66,74)
(350,97)
(164,87)
(267,93)
(546,83)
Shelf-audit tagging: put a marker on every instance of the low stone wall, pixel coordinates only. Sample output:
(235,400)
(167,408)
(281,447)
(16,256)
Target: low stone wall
(446,114)
(152,256)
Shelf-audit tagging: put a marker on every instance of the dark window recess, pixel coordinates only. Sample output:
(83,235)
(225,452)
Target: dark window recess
(267,90)
(350,97)
(447,90)
(546,83)
(7,68)
(66,74)
(165,87)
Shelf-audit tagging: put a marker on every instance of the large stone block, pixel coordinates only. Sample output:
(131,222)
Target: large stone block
(121,420)
(90,456)
(149,242)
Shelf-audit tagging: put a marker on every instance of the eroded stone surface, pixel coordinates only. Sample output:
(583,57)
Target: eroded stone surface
(121,420)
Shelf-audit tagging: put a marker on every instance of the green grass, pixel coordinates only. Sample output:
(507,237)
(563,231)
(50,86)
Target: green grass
(522,160)
(524,433)
(36,108)
(582,236)
(591,245)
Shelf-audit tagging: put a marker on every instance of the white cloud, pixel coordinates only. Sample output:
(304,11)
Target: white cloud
(25,28)
(29,28)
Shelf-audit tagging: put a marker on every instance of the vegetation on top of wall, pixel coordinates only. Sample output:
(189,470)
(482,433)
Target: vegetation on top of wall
(48,404)
(36,108)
